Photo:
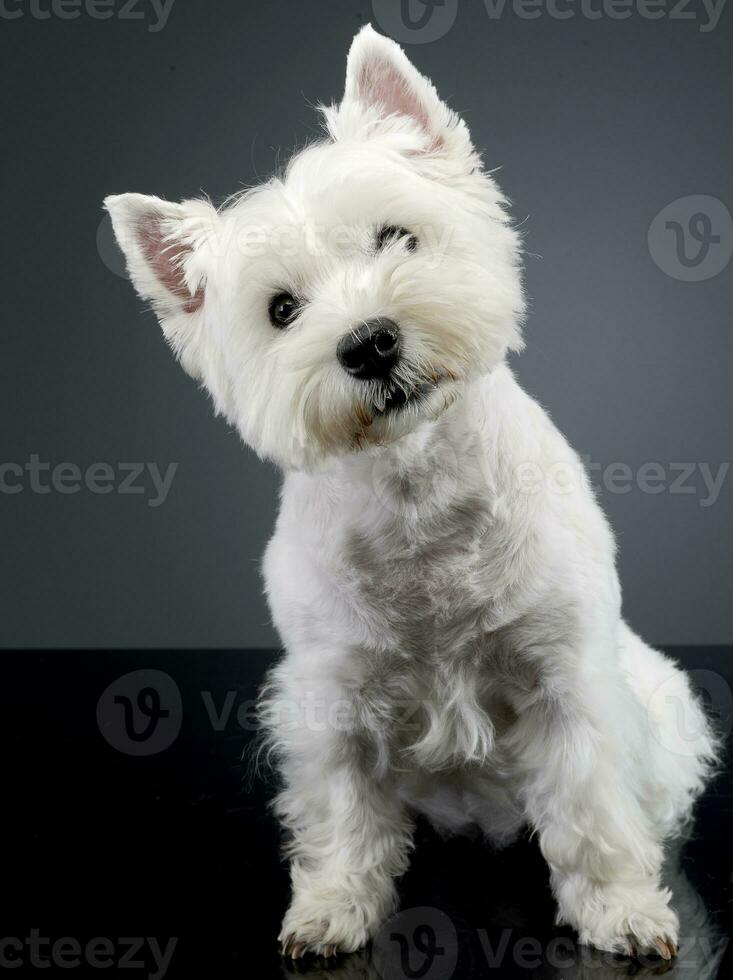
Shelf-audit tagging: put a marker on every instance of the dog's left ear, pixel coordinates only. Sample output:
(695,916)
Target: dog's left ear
(168,249)
(385,93)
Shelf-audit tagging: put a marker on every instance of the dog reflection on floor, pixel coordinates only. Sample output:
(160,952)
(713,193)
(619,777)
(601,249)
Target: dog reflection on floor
(425,944)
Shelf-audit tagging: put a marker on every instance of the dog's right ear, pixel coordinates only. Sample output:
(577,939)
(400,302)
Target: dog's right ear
(168,248)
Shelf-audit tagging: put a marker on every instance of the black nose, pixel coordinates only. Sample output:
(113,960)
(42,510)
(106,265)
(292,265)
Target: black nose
(371,350)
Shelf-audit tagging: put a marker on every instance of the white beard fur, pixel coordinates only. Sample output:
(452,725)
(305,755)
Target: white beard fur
(441,576)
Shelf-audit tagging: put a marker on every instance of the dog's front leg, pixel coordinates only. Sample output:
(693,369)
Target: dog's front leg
(349,832)
(583,753)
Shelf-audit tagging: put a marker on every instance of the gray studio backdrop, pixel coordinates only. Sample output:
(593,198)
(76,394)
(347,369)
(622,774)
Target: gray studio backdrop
(610,120)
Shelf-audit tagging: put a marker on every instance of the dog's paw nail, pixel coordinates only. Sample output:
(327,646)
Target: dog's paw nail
(666,948)
(286,944)
(329,951)
(298,951)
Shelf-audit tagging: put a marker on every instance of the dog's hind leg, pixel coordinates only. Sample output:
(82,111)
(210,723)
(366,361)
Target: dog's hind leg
(682,748)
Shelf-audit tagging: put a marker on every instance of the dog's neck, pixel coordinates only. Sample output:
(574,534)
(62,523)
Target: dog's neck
(417,476)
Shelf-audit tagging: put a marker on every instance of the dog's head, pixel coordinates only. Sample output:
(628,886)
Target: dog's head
(346,304)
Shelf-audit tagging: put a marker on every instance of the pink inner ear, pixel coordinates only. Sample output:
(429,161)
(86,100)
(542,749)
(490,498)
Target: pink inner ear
(379,83)
(164,258)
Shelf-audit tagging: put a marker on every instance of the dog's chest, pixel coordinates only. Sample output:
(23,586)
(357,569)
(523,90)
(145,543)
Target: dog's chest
(423,593)
(403,589)
(419,581)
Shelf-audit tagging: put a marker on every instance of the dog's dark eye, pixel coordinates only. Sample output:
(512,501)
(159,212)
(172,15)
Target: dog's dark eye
(388,234)
(284,308)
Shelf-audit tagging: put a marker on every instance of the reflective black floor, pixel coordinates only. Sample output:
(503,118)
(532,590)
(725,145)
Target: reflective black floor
(148,847)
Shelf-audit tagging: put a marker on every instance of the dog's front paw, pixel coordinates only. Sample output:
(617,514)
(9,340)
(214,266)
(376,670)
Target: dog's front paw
(328,924)
(629,921)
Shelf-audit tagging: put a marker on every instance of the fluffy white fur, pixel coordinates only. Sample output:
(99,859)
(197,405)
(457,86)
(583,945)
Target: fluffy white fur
(441,575)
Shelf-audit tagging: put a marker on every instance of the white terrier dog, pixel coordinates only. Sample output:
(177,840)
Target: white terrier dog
(441,576)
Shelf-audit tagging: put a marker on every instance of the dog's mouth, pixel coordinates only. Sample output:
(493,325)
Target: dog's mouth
(394,400)
(398,398)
